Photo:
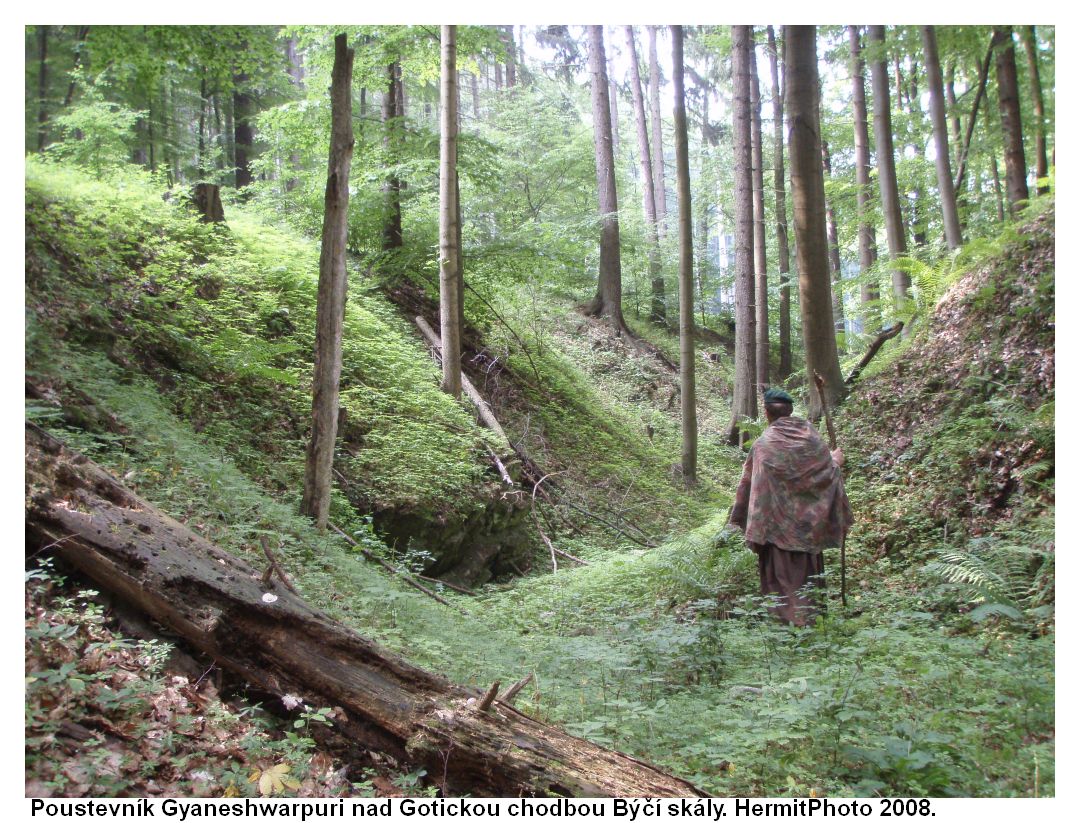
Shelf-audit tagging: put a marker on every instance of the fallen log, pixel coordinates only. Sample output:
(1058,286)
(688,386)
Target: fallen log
(879,341)
(282,645)
(487,416)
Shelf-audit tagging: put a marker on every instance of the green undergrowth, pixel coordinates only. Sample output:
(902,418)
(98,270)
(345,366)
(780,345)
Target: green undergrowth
(224,321)
(659,653)
(938,679)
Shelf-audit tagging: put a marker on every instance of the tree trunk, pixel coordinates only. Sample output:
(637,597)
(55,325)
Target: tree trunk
(392,236)
(43,87)
(81,33)
(761,267)
(783,254)
(613,99)
(709,137)
(1042,168)
(657,142)
(886,164)
(1009,105)
(333,284)
(999,195)
(657,309)
(511,57)
(980,90)
(201,157)
(835,267)
(869,294)
(608,300)
(474,83)
(687,388)
(949,212)
(808,199)
(243,131)
(744,396)
(217,603)
(449,256)
(296,73)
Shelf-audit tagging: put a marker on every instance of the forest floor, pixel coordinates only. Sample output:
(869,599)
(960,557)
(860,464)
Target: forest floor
(159,350)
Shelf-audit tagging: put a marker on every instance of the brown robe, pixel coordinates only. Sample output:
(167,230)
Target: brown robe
(791,504)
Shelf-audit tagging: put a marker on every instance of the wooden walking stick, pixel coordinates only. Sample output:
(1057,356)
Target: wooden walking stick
(819,381)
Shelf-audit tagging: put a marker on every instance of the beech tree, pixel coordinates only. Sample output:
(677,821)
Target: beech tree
(886,166)
(449,218)
(832,234)
(949,212)
(687,387)
(657,308)
(761,267)
(743,397)
(782,252)
(393,111)
(608,300)
(333,284)
(1009,105)
(808,200)
(1031,49)
(869,294)
(657,144)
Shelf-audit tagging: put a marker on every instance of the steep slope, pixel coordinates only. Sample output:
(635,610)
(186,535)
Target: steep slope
(952,435)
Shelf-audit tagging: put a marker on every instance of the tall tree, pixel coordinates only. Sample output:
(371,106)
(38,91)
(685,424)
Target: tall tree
(782,251)
(835,269)
(761,267)
(886,165)
(808,200)
(980,90)
(1031,49)
(657,308)
(449,219)
(613,100)
(296,74)
(608,300)
(392,113)
(43,87)
(244,130)
(1009,105)
(744,397)
(688,392)
(511,56)
(657,144)
(949,211)
(333,285)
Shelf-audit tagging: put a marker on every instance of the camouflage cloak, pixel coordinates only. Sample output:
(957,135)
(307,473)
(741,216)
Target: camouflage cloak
(792,493)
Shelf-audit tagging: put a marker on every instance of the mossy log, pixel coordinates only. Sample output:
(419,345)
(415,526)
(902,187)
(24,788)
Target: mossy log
(216,603)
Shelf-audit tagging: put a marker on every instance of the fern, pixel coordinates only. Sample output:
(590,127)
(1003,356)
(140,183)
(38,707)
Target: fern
(1001,578)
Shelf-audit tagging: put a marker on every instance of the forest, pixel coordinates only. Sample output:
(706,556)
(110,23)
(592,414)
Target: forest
(393,395)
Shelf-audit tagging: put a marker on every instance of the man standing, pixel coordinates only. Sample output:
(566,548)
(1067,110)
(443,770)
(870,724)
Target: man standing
(791,505)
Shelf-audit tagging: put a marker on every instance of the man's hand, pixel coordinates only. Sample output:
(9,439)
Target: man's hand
(838,457)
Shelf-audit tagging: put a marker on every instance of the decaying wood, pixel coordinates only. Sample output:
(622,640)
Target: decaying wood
(507,479)
(487,417)
(568,556)
(508,696)
(390,567)
(206,198)
(879,341)
(215,602)
(489,697)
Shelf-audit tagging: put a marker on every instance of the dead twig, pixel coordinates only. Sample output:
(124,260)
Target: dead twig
(274,568)
(393,569)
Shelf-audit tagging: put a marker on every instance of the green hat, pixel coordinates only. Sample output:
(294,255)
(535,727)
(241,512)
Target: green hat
(778,396)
